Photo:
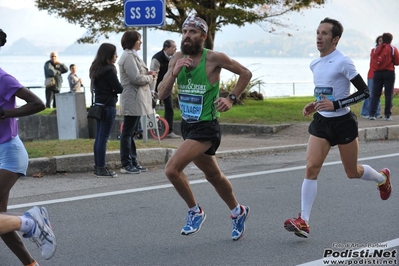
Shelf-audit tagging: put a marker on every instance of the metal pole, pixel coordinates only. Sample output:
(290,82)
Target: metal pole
(145,45)
(293,88)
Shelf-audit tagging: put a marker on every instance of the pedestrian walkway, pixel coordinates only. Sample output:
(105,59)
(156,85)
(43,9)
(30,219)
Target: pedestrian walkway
(284,138)
(293,134)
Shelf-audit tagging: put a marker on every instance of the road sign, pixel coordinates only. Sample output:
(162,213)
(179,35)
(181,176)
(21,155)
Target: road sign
(144,13)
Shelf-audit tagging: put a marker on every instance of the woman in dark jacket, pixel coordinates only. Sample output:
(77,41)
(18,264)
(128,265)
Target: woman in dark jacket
(106,86)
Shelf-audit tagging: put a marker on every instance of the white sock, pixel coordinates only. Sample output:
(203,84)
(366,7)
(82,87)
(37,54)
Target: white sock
(236,211)
(372,175)
(26,224)
(308,194)
(195,209)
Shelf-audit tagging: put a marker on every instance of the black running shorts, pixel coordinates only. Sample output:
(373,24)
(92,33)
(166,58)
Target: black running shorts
(336,130)
(203,131)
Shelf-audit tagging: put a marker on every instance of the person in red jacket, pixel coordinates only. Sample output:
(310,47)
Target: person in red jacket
(366,103)
(384,78)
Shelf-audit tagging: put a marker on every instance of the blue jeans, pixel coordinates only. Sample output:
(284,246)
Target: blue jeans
(386,79)
(103,132)
(366,103)
(128,150)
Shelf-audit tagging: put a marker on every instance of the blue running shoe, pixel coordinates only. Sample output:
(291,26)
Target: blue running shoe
(239,223)
(194,222)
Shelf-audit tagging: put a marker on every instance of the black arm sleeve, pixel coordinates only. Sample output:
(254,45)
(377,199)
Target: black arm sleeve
(361,94)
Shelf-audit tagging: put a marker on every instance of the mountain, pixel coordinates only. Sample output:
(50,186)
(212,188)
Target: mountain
(23,47)
(42,30)
(363,22)
(303,45)
(80,49)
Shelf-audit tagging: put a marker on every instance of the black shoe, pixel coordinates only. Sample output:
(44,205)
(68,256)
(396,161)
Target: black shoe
(141,168)
(103,172)
(130,169)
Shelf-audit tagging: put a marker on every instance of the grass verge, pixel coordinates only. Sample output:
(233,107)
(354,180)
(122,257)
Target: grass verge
(269,112)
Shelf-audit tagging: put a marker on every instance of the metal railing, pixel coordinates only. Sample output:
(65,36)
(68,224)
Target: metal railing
(268,89)
(286,88)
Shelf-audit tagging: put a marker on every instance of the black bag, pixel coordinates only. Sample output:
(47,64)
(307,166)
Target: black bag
(96,112)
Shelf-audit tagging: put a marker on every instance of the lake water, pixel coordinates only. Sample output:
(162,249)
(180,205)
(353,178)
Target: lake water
(282,76)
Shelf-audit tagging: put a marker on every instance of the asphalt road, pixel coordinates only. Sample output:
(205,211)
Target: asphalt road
(136,219)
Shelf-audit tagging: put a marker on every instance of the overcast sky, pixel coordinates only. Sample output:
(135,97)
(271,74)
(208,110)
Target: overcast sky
(372,17)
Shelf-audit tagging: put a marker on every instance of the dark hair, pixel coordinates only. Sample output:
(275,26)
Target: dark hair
(387,38)
(167,44)
(3,38)
(71,65)
(129,39)
(376,40)
(337,28)
(103,60)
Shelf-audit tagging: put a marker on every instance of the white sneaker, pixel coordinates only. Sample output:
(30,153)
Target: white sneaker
(173,136)
(41,234)
(365,116)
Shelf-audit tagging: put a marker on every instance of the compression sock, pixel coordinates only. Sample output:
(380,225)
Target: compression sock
(372,175)
(308,195)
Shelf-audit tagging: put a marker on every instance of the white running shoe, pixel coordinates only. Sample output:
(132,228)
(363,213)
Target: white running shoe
(42,233)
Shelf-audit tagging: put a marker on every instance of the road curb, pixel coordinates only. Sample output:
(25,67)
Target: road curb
(79,163)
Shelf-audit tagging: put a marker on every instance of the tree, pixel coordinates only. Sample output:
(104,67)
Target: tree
(102,17)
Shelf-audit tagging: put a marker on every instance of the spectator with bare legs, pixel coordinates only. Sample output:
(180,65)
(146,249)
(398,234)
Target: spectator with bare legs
(34,223)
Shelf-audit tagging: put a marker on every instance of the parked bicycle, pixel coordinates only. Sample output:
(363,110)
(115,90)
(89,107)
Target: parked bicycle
(162,124)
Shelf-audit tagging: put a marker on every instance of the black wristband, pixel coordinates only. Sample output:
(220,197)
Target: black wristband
(337,105)
(2,114)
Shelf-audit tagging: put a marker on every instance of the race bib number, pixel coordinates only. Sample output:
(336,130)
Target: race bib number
(191,106)
(326,91)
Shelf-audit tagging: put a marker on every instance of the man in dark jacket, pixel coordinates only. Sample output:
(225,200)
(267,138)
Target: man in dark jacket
(160,62)
(53,68)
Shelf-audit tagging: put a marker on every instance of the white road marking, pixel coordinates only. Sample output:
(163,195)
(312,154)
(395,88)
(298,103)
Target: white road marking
(134,190)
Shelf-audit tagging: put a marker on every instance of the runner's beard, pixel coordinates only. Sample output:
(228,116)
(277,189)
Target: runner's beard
(192,49)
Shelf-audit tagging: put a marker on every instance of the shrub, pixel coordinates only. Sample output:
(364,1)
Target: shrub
(227,87)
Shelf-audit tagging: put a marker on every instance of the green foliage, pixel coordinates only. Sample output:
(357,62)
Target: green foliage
(268,112)
(275,111)
(228,86)
(104,17)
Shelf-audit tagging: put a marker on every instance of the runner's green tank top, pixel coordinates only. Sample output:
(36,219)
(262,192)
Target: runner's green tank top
(196,95)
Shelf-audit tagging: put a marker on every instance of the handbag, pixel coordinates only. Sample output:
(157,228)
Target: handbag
(49,82)
(96,111)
